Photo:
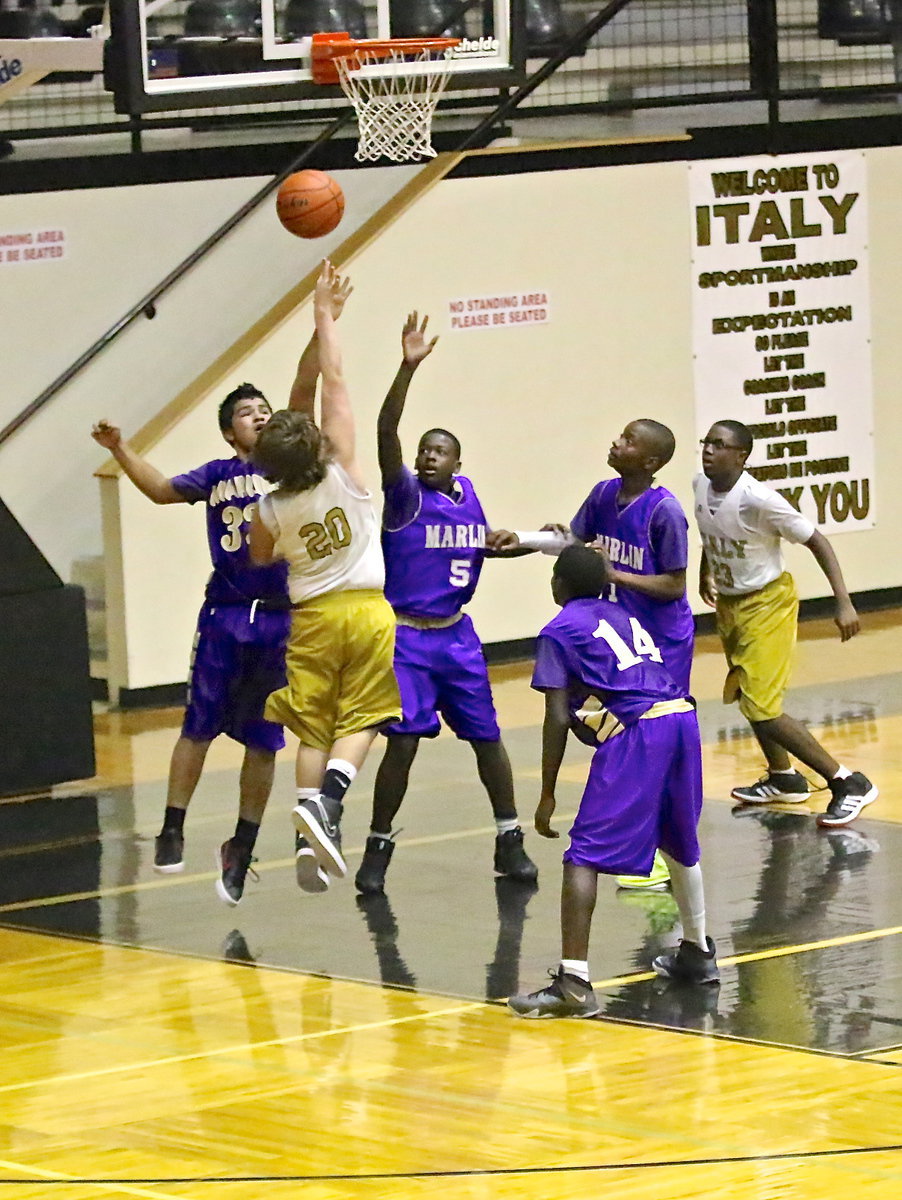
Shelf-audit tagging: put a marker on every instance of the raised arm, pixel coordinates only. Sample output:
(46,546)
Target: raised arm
(147,479)
(846,619)
(337,417)
(414,348)
(303,390)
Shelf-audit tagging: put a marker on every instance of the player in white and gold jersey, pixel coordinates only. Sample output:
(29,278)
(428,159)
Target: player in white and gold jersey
(742,523)
(320,519)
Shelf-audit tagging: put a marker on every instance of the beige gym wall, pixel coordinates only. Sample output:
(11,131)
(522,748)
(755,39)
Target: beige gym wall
(535,407)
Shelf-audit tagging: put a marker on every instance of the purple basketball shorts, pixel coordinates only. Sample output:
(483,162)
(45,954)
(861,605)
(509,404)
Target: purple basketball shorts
(235,663)
(443,671)
(644,791)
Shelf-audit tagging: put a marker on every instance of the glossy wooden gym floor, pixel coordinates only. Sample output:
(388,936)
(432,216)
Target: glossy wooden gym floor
(157,1044)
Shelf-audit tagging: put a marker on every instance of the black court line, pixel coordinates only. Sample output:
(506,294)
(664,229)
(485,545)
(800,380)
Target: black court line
(473,1173)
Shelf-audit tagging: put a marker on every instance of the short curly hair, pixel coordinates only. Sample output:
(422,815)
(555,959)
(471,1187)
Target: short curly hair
(292,451)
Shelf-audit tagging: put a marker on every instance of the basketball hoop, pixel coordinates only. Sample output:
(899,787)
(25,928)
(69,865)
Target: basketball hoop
(394,86)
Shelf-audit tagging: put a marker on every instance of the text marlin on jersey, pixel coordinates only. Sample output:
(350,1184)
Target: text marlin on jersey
(455,537)
(622,553)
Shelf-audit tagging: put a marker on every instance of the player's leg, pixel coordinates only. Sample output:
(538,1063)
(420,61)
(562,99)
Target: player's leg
(185,769)
(259,670)
(759,636)
(419,718)
(389,791)
(318,819)
(677,653)
(672,748)
(465,701)
(496,776)
(851,791)
(570,992)
(616,831)
(362,630)
(310,766)
(208,682)
(306,705)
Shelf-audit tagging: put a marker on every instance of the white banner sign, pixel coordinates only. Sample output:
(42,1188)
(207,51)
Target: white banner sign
(781,324)
(507,310)
(32,245)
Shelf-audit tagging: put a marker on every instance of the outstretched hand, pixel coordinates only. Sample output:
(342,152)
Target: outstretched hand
(106,435)
(413,341)
(500,540)
(340,290)
(327,282)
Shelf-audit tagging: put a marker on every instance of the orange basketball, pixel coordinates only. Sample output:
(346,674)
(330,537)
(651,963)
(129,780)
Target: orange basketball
(310,204)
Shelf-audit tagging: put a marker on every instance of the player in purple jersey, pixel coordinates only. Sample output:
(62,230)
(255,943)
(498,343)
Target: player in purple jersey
(433,540)
(239,647)
(601,671)
(644,531)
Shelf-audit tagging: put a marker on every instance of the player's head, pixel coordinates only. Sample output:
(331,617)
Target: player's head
(242,415)
(725,447)
(292,452)
(438,459)
(578,572)
(644,447)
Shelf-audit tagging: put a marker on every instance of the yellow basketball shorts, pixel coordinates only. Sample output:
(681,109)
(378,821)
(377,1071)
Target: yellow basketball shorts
(339,669)
(758,632)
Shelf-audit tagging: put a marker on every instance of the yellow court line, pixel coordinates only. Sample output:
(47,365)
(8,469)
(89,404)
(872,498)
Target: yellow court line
(454,1010)
(241,1047)
(178,879)
(759,955)
(64,1177)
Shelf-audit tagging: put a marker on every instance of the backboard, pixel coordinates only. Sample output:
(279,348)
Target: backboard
(178,54)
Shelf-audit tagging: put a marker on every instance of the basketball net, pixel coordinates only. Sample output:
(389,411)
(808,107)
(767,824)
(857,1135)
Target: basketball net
(395,94)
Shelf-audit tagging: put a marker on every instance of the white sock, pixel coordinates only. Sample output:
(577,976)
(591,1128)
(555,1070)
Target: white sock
(346,768)
(689,892)
(783,771)
(842,773)
(506,824)
(307,794)
(575,966)
(385,836)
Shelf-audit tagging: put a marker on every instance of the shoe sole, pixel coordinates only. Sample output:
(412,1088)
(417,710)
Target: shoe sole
(535,1015)
(826,822)
(776,798)
(322,846)
(220,887)
(170,868)
(309,874)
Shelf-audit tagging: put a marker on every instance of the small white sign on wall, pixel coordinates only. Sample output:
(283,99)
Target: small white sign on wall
(506,310)
(28,246)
